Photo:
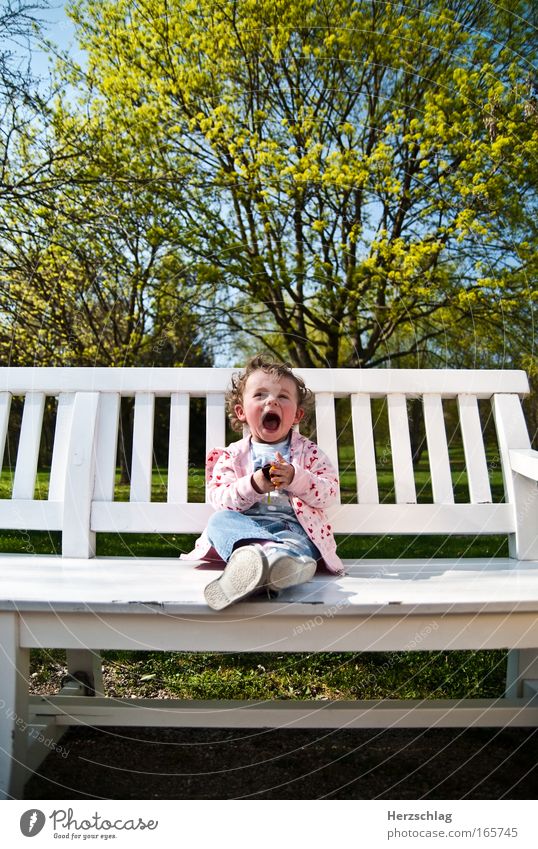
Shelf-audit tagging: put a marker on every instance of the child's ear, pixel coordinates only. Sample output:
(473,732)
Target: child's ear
(299,415)
(240,413)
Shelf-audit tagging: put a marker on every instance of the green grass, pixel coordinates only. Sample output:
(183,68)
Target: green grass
(348,675)
(320,676)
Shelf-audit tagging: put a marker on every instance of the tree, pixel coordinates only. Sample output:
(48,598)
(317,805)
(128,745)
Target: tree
(25,108)
(354,177)
(89,279)
(89,284)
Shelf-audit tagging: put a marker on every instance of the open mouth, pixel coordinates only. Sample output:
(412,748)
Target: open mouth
(271,422)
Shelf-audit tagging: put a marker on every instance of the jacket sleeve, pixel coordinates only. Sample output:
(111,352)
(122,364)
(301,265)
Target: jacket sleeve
(225,490)
(316,481)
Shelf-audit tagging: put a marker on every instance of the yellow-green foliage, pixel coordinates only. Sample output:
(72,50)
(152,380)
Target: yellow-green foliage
(358,169)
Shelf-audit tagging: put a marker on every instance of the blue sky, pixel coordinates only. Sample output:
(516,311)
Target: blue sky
(56,28)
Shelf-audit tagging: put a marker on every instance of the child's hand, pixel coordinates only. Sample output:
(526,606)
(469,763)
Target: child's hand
(282,473)
(260,482)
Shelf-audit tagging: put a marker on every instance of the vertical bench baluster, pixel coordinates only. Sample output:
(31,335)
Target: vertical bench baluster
(178,452)
(142,463)
(326,427)
(64,414)
(402,458)
(215,421)
(107,446)
(363,441)
(28,452)
(473,448)
(438,457)
(5,404)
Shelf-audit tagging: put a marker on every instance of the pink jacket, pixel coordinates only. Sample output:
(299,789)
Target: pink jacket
(314,486)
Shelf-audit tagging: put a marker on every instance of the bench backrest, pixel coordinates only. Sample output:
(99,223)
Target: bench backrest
(86,414)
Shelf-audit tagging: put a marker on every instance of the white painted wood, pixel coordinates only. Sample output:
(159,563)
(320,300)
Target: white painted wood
(43,738)
(160,517)
(28,450)
(436,586)
(146,517)
(178,451)
(5,405)
(106,446)
(215,436)
(77,538)
(197,381)
(438,457)
(38,515)
(161,627)
(326,427)
(530,690)
(521,492)
(14,675)
(363,441)
(402,460)
(524,461)
(142,463)
(90,662)
(421,519)
(522,665)
(58,470)
(243,713)
(393,588)
(474,450)
(215,421)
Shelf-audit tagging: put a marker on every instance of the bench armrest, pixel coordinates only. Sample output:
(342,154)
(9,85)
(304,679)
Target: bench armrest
(524,461)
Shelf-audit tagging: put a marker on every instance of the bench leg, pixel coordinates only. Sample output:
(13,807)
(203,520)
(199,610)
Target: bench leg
(85,660)
(522,666)
(14,725)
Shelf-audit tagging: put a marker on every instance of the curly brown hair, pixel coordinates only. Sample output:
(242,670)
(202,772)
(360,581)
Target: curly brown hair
(305,398)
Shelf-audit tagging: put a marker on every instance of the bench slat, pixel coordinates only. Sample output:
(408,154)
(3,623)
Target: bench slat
(473,447)
(402,459)
(360,519)
(5,405)
(28,451)
(377,382)
(215,422)
(31,515)
(147,517)
(142,462)
(107,446)
(438,457)
(363,441)
(64,415)
(326,426)
(178,452)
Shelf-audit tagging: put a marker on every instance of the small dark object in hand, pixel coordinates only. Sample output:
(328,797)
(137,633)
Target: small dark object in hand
(267,471)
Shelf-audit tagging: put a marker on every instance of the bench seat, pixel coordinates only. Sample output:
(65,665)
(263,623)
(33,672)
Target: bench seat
(118,584)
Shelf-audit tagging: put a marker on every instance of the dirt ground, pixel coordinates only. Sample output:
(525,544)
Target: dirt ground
(126,763)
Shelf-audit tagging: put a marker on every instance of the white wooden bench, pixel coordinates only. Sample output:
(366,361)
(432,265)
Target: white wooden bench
(84,603)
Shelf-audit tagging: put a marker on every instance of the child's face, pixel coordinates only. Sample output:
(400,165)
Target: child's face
(269,407)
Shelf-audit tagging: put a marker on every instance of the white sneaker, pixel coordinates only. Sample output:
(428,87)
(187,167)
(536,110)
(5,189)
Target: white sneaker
(285,570)
(246,570)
